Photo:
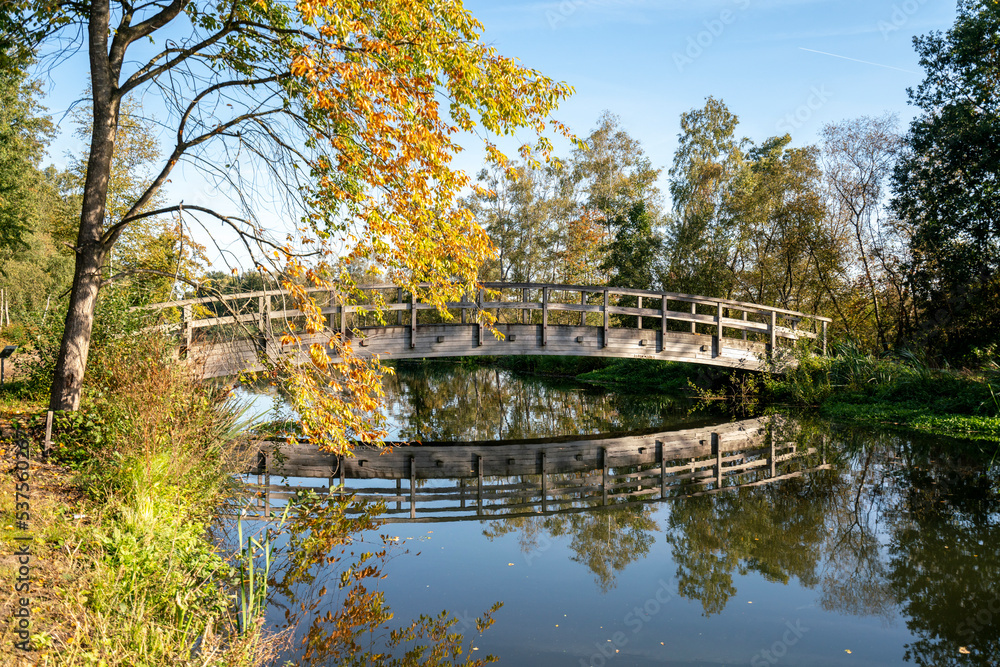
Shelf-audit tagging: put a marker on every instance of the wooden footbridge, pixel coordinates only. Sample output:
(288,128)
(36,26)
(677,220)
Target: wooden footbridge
(228,334)
(504,479)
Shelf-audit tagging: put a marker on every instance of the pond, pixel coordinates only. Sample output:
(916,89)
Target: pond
(642,533)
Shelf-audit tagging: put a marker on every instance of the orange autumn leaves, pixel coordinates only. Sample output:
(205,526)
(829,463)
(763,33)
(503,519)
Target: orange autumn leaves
(390,87)
(399,80)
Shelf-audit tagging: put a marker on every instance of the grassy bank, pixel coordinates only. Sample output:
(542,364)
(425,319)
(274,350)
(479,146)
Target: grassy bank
(900,391)
(124,569)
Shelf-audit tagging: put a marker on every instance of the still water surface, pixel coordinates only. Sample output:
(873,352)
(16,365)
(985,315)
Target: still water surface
(887,555)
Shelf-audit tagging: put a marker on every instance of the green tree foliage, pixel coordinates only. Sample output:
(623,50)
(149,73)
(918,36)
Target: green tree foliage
(749,221)
(630,258)
(24,133)
(706,172)
(782,236)
(556,223)
(38,208)
(522,213)
(155,252)
(947,187)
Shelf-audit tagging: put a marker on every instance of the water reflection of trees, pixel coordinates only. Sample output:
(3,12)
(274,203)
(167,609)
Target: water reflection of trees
(604,540)
(433,402)
(897,529)
(774,530)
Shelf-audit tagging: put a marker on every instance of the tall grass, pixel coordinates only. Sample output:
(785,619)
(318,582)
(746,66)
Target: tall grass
(153,450)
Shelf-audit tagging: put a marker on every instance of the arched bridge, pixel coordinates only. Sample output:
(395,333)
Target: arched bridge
(227,334)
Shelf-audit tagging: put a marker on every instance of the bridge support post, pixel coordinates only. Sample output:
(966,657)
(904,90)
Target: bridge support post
(545,488)
(604,473)
(663,471)
(479,486)
(413,489)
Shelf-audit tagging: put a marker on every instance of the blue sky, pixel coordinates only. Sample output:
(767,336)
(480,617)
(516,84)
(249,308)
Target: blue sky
(650,60)
(780,65)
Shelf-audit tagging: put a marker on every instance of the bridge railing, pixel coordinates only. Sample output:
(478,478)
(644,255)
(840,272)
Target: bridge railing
(271,312)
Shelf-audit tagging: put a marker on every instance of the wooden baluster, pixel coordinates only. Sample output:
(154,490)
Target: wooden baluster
(331,300)
(771,458)
(640,316)
(663,471)
(583,314)
(545,489)
(524,312)
(481,298)
(663,322)
(545,316)
(744,325)
(717,352)
(604,470)
(772,330)
(607,318)
(479,486)
(824,338)
(413,489)
(694,311)
(187,331)
(413,320)
(399,300)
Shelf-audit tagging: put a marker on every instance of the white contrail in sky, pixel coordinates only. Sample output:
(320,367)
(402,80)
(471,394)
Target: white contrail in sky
(860,61)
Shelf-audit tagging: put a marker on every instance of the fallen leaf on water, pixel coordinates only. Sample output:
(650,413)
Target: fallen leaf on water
(510,564)
(963,650)
(847,650)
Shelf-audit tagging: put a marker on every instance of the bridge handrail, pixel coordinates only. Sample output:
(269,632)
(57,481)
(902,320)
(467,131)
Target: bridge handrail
(766,320)
(624,291)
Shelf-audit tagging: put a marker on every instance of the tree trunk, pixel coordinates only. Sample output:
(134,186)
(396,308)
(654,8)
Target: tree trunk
(67,380)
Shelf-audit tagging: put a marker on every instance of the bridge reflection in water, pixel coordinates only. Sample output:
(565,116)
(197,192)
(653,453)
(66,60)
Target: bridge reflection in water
(505,479)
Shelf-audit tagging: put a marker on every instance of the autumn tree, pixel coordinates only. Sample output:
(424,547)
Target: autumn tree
(605,179)
(783,245)
(521,208)
(351,111)
(858,158)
